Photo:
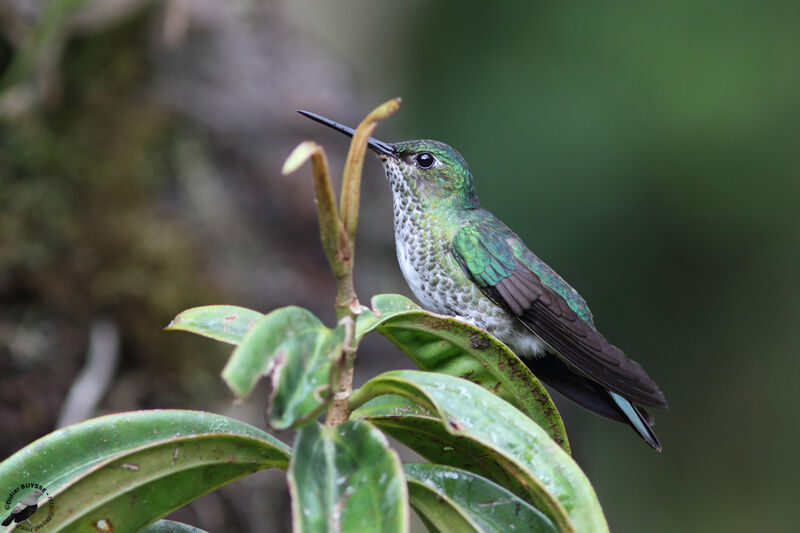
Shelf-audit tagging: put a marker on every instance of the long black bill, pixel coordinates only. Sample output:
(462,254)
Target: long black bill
(375,145)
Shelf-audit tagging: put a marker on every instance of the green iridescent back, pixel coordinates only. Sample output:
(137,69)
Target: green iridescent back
(492,251)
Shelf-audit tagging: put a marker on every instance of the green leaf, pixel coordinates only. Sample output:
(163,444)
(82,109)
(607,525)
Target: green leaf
(346,478)
(226,323)
(63,454)
(447,345)
(384,308)
(169,526)
(429,437)
(301,376)
(392,405)
(260,346)
(132,468)
(445,494)
(439,513)
(133,488)
(514,451)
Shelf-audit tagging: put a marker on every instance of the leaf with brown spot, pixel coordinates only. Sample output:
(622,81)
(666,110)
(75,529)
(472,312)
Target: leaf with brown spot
(225,323)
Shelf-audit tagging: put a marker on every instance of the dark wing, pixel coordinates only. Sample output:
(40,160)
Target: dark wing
(493,256)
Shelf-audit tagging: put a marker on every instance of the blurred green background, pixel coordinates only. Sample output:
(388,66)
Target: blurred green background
(648,152)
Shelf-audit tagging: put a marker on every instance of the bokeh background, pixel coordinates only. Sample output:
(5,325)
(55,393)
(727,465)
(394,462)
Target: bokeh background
(648,152)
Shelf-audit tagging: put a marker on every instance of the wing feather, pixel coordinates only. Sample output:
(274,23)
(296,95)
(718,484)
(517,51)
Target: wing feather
(484,251)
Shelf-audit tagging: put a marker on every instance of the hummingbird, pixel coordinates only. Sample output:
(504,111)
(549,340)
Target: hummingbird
(461,260)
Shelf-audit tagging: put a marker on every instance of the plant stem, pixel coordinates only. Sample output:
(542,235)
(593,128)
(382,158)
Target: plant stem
(339,411)
(347,306)
(337,232)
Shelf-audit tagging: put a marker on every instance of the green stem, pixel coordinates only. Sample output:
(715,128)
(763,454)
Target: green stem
(347,306)
(338,240)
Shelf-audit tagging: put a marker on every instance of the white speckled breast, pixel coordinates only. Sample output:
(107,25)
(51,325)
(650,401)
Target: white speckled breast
(423,238)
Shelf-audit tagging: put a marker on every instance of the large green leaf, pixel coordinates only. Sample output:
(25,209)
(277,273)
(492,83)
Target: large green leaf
(131,489)
(346,478)
(429,437)
(226,323)
(444,494)
(424,432)
(129,469)
(63,454)
(438,512)
(445,344)
(514,451)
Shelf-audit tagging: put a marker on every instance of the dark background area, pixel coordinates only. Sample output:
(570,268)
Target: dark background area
(648,153)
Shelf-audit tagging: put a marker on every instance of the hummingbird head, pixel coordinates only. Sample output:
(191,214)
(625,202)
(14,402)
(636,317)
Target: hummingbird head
(430,170)
(422,170)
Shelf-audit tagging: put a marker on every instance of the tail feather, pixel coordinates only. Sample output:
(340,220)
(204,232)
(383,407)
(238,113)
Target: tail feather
(556,374)
(637,419)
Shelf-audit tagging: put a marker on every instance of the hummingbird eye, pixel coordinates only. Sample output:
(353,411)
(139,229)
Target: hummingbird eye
(425,160)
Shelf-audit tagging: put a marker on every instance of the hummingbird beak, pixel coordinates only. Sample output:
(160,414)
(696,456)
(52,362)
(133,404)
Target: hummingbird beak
(379,147)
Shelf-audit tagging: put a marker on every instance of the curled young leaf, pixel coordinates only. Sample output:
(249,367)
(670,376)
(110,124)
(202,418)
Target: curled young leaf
(259,347)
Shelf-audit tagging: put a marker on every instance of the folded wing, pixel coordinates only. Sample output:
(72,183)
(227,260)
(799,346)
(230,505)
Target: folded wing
(511,276)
